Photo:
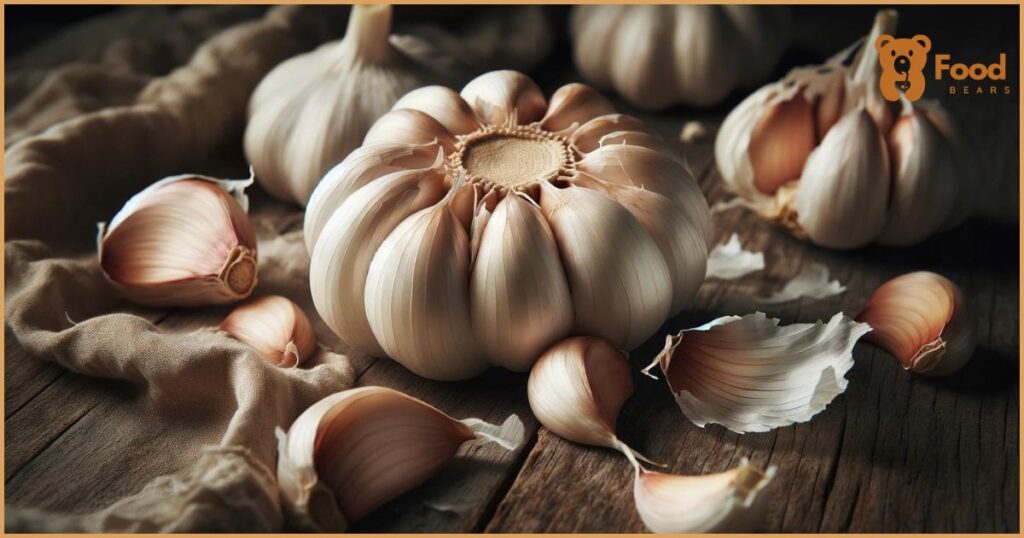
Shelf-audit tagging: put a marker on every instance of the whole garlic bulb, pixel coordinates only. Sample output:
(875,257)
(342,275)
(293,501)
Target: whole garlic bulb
(183,241)
(824,155)
(477,229)
(658,56)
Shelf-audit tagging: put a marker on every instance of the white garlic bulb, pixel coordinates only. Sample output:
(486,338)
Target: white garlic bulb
(658,56)
(824,155)
(183,241)
(923,320)
(355,450)
(275,327)
(501,226)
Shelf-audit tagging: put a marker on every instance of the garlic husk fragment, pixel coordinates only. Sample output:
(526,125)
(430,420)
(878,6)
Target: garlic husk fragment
(731,501)
(275,327)
(922,318)
(751,375)
(355,450)
(730,261)
(812,281)
(183,241)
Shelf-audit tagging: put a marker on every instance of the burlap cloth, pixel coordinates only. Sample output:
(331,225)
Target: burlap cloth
(119,130)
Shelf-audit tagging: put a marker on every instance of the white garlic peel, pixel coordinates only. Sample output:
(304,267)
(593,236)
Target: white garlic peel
(730,261)
(183,241)
(531,222)
(751,375)
(355,450)
(820,151)
(657,56)
(812,281)
(275,327)
(923,319)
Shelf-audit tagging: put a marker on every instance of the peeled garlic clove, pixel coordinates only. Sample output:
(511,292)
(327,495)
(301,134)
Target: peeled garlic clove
(733,501)
(500,96)
(620,283)
(513,323)
(410,127)
(442,104)
(843,194)
(575,104)
(925,176)
(355,450)
(362,166)
(420,272)
(183,241)
(781,142)
(923,320)
(275,327)
(751,375)
(577,388)
(340,265)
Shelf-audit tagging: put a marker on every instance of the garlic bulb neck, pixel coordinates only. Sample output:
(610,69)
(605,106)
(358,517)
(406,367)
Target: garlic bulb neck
(368,33)
(865,67)
(512,158)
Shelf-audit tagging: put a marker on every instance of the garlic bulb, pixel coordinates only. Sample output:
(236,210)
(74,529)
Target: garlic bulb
(479,228)
(822,154)
(183,241)
(658,56)
(923,320)
(355,450)
(275,327)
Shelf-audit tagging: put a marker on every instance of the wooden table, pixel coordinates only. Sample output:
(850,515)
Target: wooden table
(894,453)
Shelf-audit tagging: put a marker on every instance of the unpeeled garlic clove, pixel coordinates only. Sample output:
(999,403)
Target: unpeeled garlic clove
(409,126)
(575,104)
(731,501)
(183,241)
(275,327)
(922,319)
(498,97)
(355,450)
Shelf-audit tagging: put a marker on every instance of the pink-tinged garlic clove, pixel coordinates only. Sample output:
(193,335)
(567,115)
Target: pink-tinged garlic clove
(781,142)
(275,327)
(183,241)
(922,319)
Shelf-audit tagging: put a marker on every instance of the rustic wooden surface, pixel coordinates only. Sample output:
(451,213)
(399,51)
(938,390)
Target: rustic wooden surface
(894,453)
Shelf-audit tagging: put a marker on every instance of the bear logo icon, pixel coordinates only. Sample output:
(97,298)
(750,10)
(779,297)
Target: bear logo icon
(902,63)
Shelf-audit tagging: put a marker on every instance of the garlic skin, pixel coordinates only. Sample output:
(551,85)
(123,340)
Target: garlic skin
(538,221)
(820,151)
(275,327)
(658,56)
(355,450)
(751,375)
(183,241)
(923,319)
(731,501)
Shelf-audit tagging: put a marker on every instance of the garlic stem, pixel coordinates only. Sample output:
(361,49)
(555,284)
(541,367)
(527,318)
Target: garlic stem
(865,66)
(369,32)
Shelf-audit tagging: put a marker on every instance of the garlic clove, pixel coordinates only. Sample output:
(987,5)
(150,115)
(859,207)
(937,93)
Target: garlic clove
(676,231)
(514,323)
(730,261)
(419,273)
(275,327)
(574,104)
(641,167)
(639,57)
(183,241)
(925,175)
(339,266)
(499,97)
(577,388)
(616,129)
(751,375)
(967,162)
(707,64)
(410,127)
(781,142)
(365,164)
(620,282)
(590,26)
(443,104)
(843,193)
(731,501)
(923,320)
(355,450)
(733,140)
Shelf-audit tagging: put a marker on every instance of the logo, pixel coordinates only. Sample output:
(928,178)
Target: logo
(903,62)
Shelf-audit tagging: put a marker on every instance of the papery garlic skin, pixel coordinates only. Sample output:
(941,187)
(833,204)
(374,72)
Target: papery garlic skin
(183,241)
(275,327)
(923,319)
(556,218)
(820,151)
(658,56)
(355,450)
